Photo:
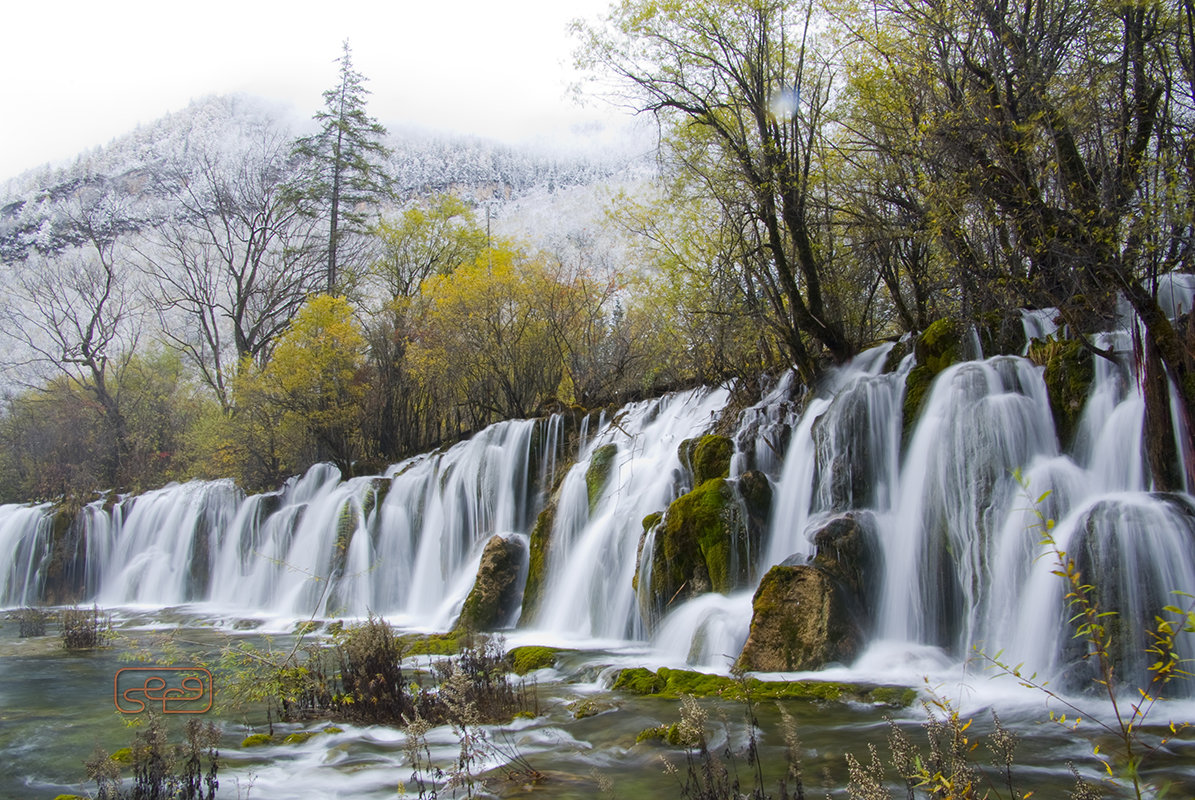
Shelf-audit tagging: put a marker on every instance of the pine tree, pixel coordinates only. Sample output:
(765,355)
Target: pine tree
(346,160)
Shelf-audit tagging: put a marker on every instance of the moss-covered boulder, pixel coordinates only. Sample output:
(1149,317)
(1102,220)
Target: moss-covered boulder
(938,346)
(497,593)
(703,544)
(706,457)
(676,683)
(802,619)
(601,463)
(539,548)
(530,658)
(1069,372)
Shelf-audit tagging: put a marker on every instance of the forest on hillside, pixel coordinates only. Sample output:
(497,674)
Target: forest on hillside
(830,174)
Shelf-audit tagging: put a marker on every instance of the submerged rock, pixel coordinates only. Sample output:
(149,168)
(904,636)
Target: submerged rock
(496,594)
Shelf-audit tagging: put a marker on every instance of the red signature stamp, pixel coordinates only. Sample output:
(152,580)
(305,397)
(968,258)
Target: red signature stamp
(170,690)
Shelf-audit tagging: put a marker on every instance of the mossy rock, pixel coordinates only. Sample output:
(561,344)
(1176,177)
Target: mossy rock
(598,474)
(530,658)
(257,740)
(939,346)
(802,619)
(122,756)
(704,544)
(676,683)
(300,737)
(588,707)
(639,680)
(70,797)
(539,547)
(673,735)
(430,644)
(1069,373)
(496,595)
(706,457)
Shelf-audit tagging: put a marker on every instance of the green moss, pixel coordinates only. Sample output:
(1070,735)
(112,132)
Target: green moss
(430,644)
(537,562)
(598,474)
(585,708)
(122,756)
(696,551)
(939,346)
(652,520)
(894,696)
(528,659)
(70,797)
(331,729)
(668,734)
(639,680)
(707,457)
(257,740)
(299,738)
(674,683)
(1069,372)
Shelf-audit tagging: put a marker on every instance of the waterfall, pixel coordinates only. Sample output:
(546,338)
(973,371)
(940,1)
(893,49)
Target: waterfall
(957,506)
(24,540)
(594,553)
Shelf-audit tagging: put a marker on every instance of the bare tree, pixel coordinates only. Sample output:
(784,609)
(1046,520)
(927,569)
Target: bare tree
(236,262)
(76,313)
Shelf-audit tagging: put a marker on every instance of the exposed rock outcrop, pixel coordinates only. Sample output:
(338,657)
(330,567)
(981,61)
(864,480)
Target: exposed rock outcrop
(496,594)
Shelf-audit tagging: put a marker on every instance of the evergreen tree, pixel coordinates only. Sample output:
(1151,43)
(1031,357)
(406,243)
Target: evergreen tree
(346,160)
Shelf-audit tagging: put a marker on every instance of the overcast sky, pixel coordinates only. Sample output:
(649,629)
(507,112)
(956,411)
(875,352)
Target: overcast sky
(75,74)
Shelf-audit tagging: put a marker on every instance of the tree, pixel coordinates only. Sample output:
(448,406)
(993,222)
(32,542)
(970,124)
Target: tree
(484,343)
(742,97)
(346,174)
(238,259)
(76,314)
(312,388)
(1060,132)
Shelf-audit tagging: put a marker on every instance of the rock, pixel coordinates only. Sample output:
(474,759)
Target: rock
(530,658)
(848,550)
(1069,372)
(1001,332)
(537,562)
(496,594)
(801,620)
(598,473)
(703,544)
(938,346)
(706,457)
(755,490)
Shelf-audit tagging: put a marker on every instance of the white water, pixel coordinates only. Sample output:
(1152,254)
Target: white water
(963,562)
(593,557)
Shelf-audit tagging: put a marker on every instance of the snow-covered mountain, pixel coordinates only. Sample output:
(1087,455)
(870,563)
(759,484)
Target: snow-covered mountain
(423,163)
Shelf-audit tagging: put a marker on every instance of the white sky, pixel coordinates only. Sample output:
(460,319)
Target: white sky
(75,74)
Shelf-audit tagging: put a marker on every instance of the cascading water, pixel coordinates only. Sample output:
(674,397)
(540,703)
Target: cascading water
(23,538)
(594,552)
(961,562)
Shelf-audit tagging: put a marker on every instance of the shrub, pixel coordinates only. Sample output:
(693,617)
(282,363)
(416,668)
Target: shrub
(84,629)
